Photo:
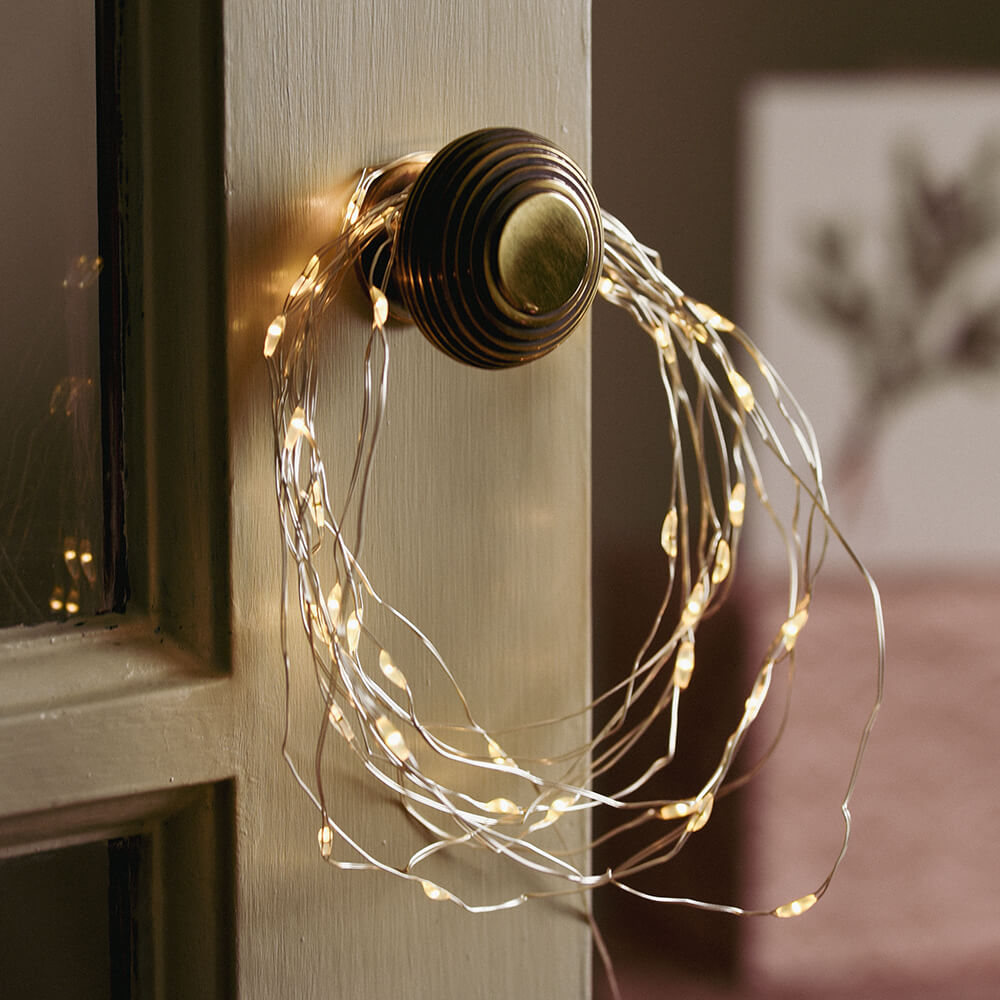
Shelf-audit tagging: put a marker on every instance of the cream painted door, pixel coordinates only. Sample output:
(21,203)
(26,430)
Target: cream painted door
(166,723)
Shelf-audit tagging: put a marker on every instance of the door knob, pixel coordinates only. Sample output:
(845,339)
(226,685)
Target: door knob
(499,248)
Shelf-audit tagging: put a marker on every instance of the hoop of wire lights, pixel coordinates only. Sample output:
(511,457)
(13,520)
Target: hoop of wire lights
(718,425)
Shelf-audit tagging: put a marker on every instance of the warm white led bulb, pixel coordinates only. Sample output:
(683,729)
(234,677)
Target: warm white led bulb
(710,317)
(380,307)
(338,719)
(435,892)
(758,693)
(273,335)
(668,533)
(333,603)
(503,806)
(796,907)
(393,739)
(723,561)
(555,812)
(325,838)
(390,670)
(684,665)
(318,509)
(695,605)
(737,504)
(701,812)
(297,427)
(793,626)
(498,754)
(677,810)
(742,389)
(353,630)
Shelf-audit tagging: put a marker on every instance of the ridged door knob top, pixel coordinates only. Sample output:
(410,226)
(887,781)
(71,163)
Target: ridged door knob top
(500,248)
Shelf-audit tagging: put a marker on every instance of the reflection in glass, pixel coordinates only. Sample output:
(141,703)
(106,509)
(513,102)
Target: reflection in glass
(51,520)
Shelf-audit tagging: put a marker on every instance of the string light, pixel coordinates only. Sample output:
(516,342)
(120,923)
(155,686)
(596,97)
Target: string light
(437,772)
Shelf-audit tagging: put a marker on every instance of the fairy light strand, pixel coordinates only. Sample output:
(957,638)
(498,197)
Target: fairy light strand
(717,422)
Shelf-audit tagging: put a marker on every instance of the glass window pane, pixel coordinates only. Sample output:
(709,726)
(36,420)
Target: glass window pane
(51,497)
(54,924)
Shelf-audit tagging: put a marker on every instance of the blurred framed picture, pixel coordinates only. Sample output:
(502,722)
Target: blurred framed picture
(871,277)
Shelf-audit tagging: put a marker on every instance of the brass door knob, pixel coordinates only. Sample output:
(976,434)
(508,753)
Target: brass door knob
(499,249)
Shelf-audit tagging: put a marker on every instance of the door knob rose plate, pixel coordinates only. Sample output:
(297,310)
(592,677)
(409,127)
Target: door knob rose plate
(495,247)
